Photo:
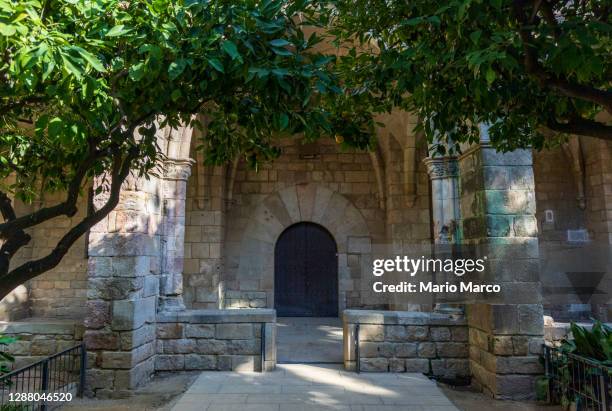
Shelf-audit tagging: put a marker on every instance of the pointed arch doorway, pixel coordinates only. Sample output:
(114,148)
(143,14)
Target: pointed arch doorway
(306,272)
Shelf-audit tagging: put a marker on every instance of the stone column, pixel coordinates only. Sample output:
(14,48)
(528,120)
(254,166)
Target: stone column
(498,215)
(444,175)
(123,277)
(174,189)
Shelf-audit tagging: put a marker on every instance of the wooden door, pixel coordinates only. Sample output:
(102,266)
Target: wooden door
(306,272)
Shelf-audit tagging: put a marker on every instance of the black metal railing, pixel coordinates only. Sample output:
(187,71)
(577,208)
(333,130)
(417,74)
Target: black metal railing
(45,384)
(577,379)
(262,348)
(357,351)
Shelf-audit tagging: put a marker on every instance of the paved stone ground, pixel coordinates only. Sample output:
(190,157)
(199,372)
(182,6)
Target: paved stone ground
(309,340)
(296,387)
(467,399)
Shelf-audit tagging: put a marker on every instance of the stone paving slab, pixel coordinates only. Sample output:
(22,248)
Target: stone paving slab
(312,387)
(309,340)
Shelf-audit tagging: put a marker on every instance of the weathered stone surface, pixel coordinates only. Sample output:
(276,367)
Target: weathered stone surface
(200,331)
(169,362)
(101,340)
(515,387)
(374,349)
(404,350)
(371,332)
(459,333)
(396,333)
(426,350)
(136,338)
(440,334)
(43,346)
(450,368)
(374,364)
(234,331)
(207,346)
(170,330)
(535,346)
(417,365)
(224,362)
(397,365)
(518,365)
(416,333)
(99,379)
(97,314)
(135,266)
(123,244)
(179,346)
(126,359)
(38,328)
(501,345)
(21,348)
(200,362)
(132,314)
(531,319)
(114,288)
(359,245)
(243,347)
(258,315)
(116,360)
(136,376)
(452,349)
(151,286)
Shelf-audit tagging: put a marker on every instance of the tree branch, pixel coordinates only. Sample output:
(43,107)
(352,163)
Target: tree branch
(31,269)
(6,207)
(532,66)
(67,207)
(14,240)
(582,127)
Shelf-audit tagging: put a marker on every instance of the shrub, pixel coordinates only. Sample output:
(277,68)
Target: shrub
(595,344)
(5,357)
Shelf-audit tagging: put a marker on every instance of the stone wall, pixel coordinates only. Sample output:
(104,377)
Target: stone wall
(556,190)
(38,339)
(402,341)
(498,215)
(224,340)
(204,235)
(62,291)
(124,271)
(505,348)
(598,175)
(315,182)
(573,183)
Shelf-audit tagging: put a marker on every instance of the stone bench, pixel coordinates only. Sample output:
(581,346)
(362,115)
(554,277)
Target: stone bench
(221,340)
(402,341)
(40,337)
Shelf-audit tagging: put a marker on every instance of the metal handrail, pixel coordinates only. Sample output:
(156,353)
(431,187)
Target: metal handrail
(37,363)
(589,381)
(357,352)
(263,348)
(51,375)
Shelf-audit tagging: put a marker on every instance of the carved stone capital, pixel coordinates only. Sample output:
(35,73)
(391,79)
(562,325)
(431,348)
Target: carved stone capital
(177,169)
(442,167)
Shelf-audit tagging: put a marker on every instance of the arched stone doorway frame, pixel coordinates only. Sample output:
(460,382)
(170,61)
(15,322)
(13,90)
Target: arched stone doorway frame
(313,203)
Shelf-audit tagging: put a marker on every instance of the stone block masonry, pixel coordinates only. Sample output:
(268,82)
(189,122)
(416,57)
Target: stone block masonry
(123,292)
(40,338)
(223,340)
(401,341)
(498,214)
